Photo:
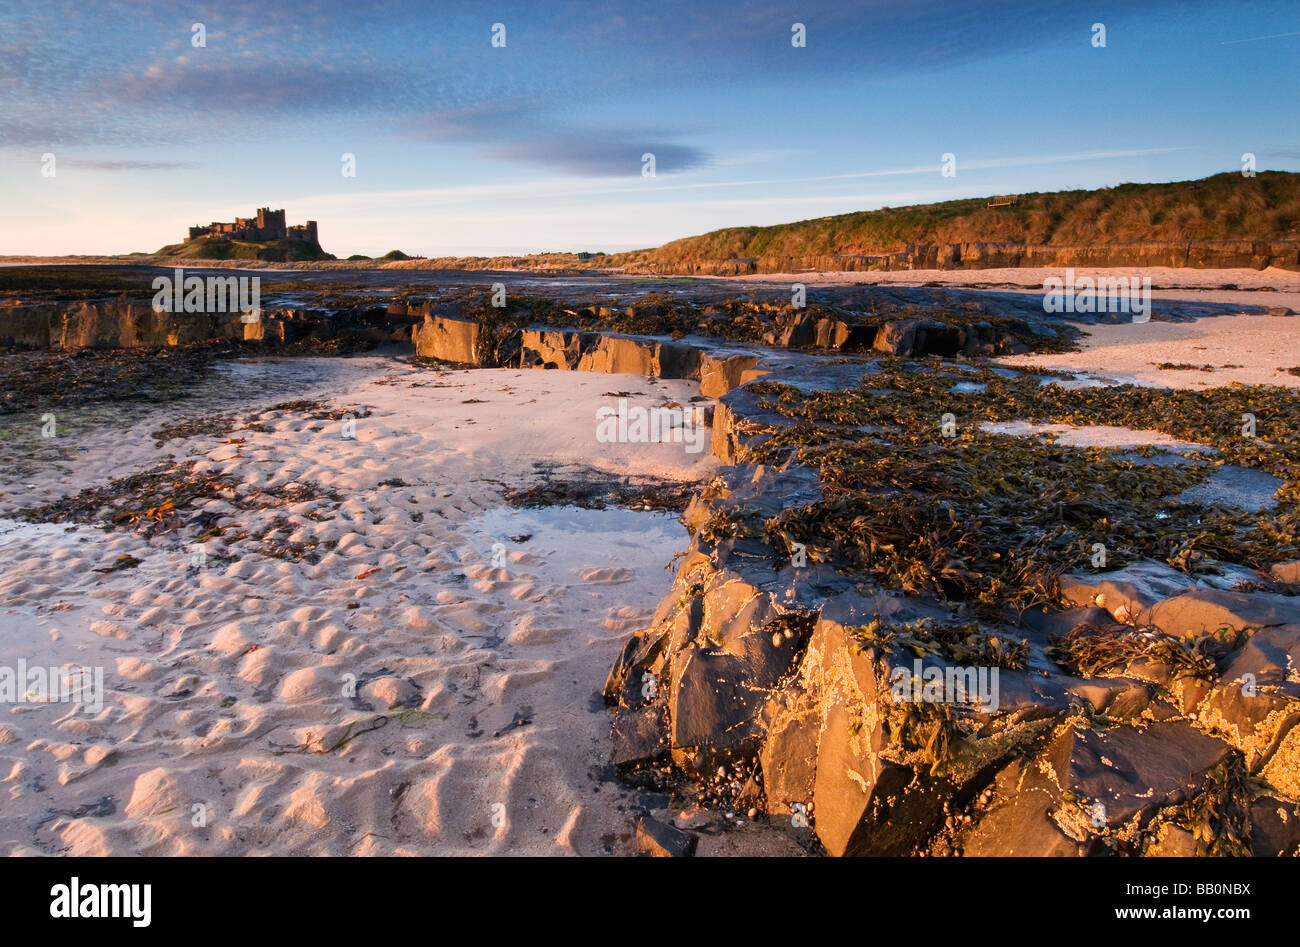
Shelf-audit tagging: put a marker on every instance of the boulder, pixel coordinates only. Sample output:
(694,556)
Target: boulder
(1090,792)
(448,338)
(1020,823)
(1286,572)
(789,754)
(896,338)
(662,840)
(720,374)
(639,737)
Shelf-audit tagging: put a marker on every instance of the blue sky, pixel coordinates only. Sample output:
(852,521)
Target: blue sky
(466,148)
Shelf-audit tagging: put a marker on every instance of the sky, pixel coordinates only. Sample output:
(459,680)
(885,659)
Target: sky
(534,143)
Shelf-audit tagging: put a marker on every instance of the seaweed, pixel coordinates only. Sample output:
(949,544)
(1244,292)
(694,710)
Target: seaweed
(955,642)
(592,489)
(1108,650)
(995,519)
(157,501)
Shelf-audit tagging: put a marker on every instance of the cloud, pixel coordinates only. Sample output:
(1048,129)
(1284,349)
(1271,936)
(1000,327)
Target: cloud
(251,87)
(523,132)
(125,164)
(606,152)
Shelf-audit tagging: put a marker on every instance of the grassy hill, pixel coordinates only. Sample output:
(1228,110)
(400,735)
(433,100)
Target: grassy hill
(1224,207)
(214,248)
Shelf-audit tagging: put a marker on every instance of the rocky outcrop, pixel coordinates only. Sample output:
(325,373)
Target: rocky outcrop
(27,326)
(608,353)
(720,373)
(456,338)
(111,324)
(776,683)
(131,324)
(1087,792)
(662,840)
(770,685)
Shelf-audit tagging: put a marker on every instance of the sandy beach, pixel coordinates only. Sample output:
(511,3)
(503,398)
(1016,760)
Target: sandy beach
(401,694)
(365,604)
(1209,353)
(1272,286)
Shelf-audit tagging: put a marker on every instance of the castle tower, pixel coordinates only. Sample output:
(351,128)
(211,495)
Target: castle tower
(271,223)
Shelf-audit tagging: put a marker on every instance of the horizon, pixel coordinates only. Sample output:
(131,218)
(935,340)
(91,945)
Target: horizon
(464,148)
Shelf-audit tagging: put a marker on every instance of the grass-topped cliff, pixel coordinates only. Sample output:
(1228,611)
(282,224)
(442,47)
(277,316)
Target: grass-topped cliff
(1223,207)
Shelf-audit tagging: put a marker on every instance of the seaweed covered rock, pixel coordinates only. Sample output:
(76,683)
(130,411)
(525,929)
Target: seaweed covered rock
(708,665)
(858,572)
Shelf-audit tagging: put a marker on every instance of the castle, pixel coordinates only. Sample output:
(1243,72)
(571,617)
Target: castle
(267,225)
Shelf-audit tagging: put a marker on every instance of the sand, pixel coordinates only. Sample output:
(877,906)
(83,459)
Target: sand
(1268,287)
(1250,349)
(403,695)
(1097,435)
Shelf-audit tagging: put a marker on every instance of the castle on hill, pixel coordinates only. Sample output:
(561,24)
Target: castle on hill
(267,225)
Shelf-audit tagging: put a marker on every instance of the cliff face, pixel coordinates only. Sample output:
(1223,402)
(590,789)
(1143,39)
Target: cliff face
(1251,254)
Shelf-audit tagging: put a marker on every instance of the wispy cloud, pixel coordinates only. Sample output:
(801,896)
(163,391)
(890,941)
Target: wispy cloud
(573,188)
(125,164)
(1256,39)
(527,133)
